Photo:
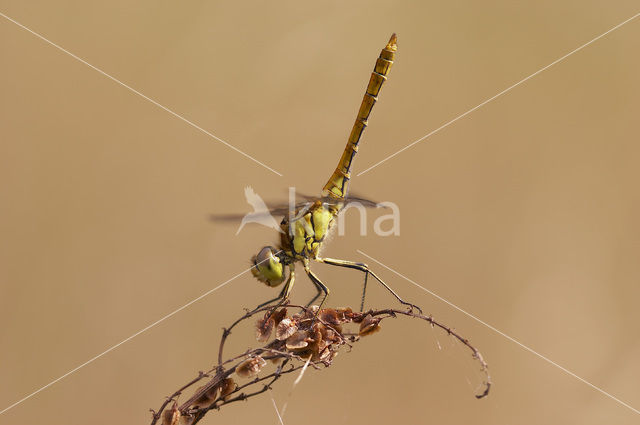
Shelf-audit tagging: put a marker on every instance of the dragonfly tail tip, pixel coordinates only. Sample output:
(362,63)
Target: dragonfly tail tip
(392,44)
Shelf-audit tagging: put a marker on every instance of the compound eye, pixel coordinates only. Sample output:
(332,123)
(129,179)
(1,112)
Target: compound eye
(267,267)
(262,259)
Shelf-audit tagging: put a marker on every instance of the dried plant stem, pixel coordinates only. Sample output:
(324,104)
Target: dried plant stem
(323,335)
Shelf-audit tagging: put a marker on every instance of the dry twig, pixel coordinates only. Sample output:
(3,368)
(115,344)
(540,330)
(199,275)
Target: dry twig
(310,336)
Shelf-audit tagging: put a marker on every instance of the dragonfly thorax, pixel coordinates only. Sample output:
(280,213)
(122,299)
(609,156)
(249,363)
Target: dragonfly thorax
(301,239)
(303,235)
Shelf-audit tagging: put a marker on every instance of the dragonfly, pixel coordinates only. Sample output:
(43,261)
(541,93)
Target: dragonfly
(307,225)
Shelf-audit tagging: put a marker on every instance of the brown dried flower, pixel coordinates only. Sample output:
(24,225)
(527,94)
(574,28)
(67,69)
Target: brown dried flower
(279,315)
(228,386)
(345,314)
(285,329)
(369,325)
(250,367)
(186,420)
(329,316)
(171,416)
(298,341)
(330,334)
(207,398)
(264,327)
(307,313)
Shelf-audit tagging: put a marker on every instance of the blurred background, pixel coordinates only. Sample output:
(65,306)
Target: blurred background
(524,213)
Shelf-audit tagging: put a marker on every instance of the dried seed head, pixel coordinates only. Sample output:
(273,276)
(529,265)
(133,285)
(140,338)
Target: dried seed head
(285,329)
(208,397)
(228,386)
(186,420)
(250,367)
(331,332)
(306,313)
(297,341)
(264,327)
(321,346)
(369,325)
(279,315)
(329,316)
(200,401)
(316,343)
(171,416)
(327,334)
(316,333)
(213,393)
(327,354)
(345,314)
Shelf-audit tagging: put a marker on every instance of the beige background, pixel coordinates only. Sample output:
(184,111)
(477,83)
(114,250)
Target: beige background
(524,213)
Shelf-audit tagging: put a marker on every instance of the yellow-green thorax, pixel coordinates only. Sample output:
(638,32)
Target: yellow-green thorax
(304,234)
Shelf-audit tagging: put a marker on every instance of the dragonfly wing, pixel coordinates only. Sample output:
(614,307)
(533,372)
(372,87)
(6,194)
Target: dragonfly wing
(282,210)
(229,218)
(226,217)
(351,199)
(363,201)
(276,211)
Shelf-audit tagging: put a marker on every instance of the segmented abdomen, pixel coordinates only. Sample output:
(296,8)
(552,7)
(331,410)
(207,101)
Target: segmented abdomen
(338,183)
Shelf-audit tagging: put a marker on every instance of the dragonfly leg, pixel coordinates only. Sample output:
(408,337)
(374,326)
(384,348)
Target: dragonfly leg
(364,291)
(367,271)
(284,294)
(321,287)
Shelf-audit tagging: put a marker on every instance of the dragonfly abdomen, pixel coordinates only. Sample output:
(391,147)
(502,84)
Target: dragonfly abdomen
(338,183)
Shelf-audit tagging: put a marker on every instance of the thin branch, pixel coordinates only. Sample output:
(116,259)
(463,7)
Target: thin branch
(308,338)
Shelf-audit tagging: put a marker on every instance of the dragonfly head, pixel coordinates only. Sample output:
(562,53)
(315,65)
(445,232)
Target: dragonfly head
(267,267)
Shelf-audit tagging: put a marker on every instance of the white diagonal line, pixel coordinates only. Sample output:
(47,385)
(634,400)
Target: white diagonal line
(175,114)
(123,341)
(505,335)
(275,406)
(447,124)
(299,378)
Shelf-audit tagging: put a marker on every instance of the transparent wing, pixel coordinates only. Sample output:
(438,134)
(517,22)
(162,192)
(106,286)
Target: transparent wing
(282,209)
(351,199)
(275,211)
